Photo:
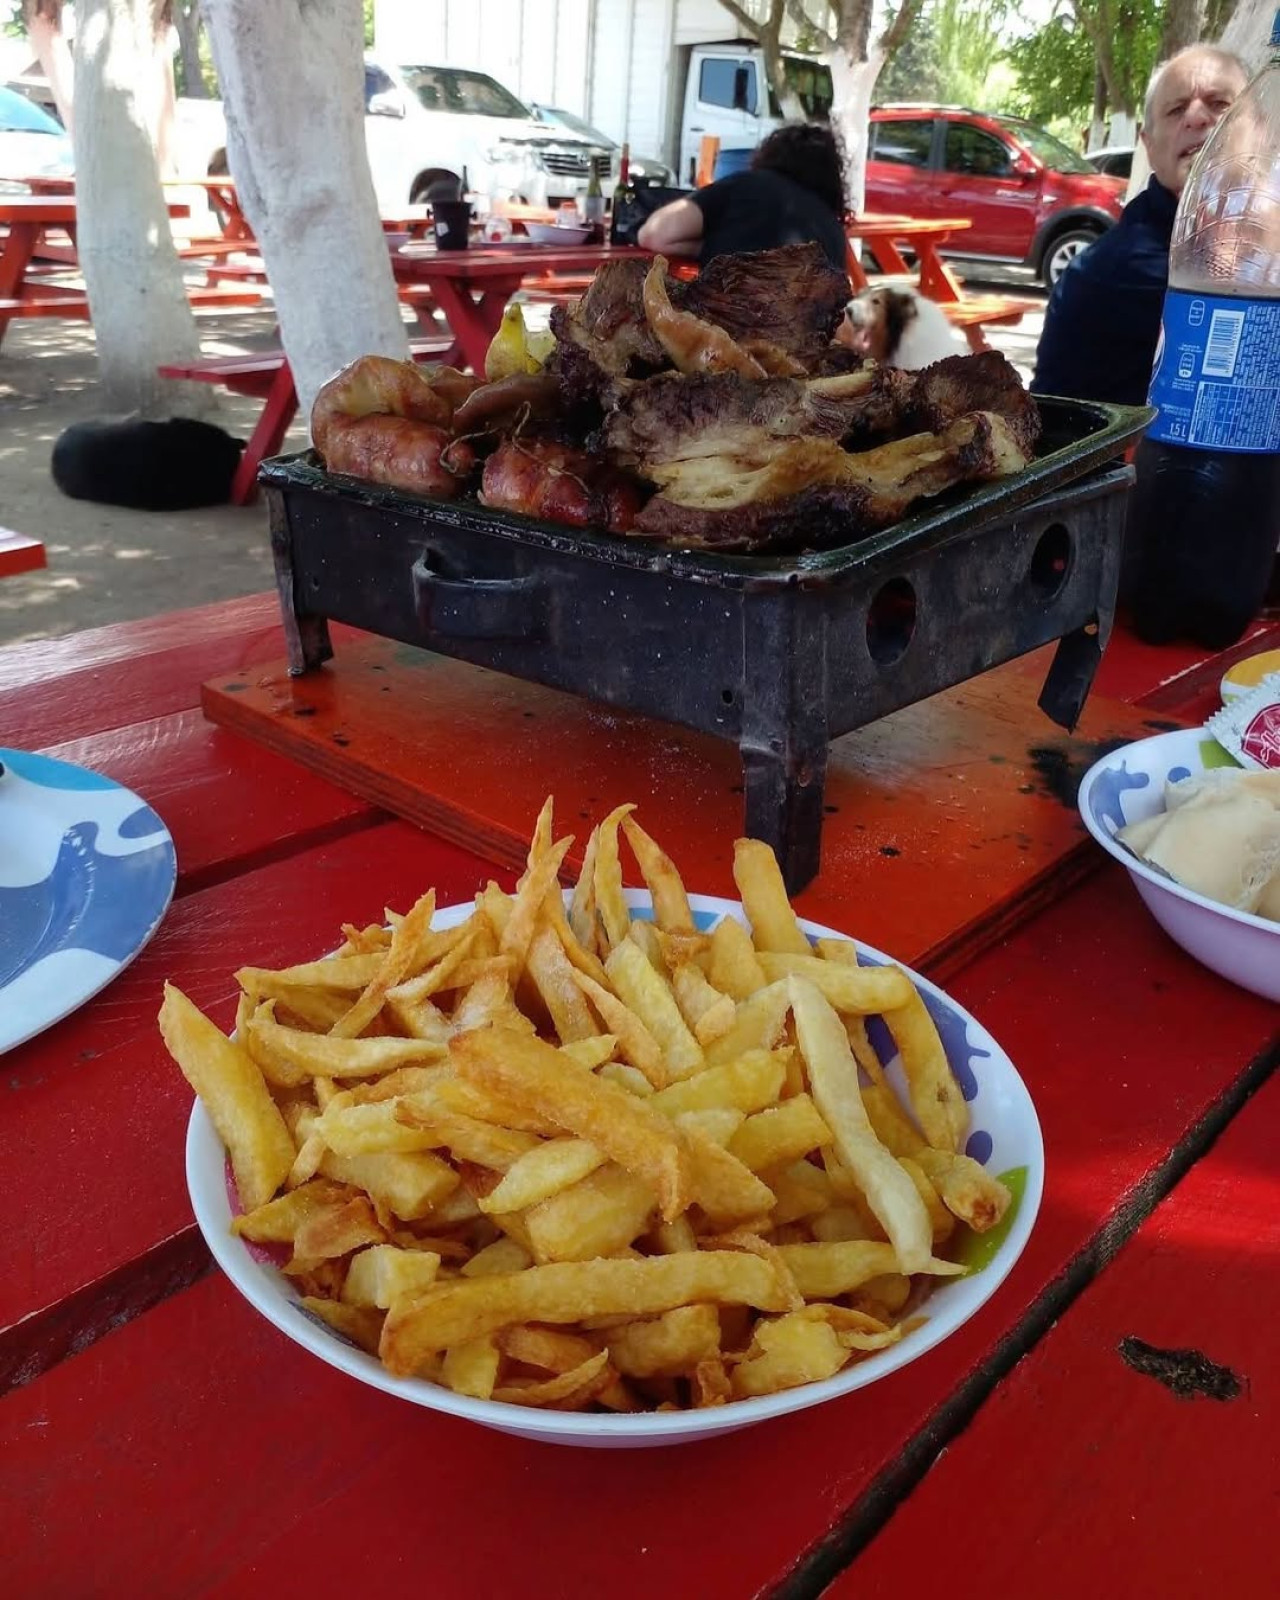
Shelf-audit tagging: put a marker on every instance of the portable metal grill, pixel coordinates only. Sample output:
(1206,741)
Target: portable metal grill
(778,654)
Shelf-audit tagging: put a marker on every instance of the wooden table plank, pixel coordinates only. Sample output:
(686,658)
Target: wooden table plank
(19,554)
(258,1452)
(230,805)
(1129,1490)
(94,1111)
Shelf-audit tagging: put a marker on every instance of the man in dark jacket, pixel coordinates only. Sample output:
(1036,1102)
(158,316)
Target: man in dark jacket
(1103,317)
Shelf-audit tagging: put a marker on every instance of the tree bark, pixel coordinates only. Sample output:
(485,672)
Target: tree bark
(186,19)
(43,22)
(292,86)
(855,62)
(141,315)
(768,34)
(1184,22)
(1249,30)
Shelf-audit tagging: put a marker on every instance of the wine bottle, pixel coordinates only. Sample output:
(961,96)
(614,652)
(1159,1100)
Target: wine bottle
(622,223)
(593,206)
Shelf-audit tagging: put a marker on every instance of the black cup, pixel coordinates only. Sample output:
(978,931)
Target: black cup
(452,223)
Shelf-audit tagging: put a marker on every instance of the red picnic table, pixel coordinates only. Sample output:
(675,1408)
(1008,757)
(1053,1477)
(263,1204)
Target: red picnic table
(472,287)
(158,1437)
(18,554)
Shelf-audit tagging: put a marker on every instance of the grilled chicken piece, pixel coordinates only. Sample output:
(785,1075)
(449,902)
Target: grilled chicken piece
(693,345)
(809,492)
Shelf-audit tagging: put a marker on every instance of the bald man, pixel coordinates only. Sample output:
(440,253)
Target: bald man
(1103,317)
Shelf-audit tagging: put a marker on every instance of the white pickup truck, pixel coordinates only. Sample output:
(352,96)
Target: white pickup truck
(727,95)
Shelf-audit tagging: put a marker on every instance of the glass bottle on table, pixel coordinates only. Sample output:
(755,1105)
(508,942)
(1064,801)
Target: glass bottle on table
(1204,516)
(622,222)
(593,207)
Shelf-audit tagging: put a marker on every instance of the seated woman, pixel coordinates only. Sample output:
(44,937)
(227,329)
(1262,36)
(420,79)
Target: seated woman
(793,193)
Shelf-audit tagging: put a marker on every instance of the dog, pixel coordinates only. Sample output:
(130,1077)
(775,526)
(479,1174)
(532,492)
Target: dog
(898,327)
(173,465)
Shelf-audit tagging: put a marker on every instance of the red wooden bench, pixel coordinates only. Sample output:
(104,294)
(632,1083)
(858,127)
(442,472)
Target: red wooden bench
(266,375)
(18,553)
(979,311)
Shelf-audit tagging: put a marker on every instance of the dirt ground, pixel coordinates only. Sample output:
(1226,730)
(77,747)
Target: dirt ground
(111,565)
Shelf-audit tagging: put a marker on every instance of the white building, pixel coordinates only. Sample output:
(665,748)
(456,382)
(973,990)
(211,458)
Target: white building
(618,63)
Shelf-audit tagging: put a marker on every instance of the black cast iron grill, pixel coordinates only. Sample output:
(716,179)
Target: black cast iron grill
(778,654)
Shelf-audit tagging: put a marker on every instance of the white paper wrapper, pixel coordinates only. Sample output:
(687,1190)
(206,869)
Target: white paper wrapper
(1250,727)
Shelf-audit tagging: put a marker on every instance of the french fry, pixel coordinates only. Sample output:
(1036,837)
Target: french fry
(277,1221)
(635,1043)
(833,1077)
(567,1391)
(758,1024)
(708,1013)
(232,1090)
(361,1324)
(966,1189)
(582,907)
(472,1368)
(644,992)
(571,1290)
(764,899)
(861,990)
(544,1171)
(669,1346)
(624,1127)
(748,1083)
(382,1274)
(935,1094)
(612,917)
(823,1271)
(726,1190)
(780,1135)
(497,1259)
(522,923)
(666,887)
(338,1230)
(553,976)
(468,1138)
(597,1216)
(356,1130)
(404,955)
(732,966)
(785,1352)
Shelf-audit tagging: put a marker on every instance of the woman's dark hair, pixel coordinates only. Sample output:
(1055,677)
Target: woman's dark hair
(809,154)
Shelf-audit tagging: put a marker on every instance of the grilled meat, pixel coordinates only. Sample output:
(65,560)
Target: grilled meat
(985,382)
(809,492)
(792,298)
(548,479)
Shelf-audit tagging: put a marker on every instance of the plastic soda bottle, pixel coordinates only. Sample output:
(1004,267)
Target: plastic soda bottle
(1205,511)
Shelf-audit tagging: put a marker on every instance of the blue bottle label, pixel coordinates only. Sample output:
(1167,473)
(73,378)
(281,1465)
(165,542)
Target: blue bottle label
(1217,373)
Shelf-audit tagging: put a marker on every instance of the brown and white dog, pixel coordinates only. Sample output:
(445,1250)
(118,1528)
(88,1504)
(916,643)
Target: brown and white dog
(898,327)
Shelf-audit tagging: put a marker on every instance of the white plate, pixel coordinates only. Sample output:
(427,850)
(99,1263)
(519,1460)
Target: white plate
(86,873)
(1005,1137)
(1128,786)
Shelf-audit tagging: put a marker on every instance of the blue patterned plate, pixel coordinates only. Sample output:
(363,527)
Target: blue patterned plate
(86,873)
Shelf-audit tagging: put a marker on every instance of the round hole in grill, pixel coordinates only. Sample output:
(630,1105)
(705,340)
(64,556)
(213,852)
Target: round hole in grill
(727,696)
(891,621)
(1050,561)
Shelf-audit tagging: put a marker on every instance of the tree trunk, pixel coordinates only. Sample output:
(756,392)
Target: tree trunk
(43,21)
(141,316)
(186,19)
(853,84)
(1098,123)
(292,86)
(1249,30)
(1183,25)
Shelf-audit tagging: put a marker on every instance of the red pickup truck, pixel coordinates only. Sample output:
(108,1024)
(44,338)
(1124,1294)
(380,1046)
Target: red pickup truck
(1032,201)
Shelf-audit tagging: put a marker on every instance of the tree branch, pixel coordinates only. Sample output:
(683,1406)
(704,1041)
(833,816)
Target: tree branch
(743,20)
(898,29)
(799,14)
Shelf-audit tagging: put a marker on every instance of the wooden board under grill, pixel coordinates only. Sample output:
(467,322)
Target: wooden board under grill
(946,823)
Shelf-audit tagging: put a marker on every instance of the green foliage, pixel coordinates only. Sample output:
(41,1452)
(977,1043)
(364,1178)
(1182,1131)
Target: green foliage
(1055,65)
(368,24)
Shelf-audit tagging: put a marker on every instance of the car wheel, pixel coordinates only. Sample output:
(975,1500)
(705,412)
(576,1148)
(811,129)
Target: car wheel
(1063,250)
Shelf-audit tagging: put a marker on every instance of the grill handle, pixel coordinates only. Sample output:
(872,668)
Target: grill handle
(478,608)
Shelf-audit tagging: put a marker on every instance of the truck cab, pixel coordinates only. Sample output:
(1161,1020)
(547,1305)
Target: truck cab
(727,97)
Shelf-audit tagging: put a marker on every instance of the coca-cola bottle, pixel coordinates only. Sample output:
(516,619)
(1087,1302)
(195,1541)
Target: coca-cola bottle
(1204,517)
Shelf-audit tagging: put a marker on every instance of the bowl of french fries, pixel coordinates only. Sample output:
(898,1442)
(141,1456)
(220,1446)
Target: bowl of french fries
(607,1166)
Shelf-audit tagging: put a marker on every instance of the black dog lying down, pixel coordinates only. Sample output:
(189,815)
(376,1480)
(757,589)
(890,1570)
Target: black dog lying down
(149,466)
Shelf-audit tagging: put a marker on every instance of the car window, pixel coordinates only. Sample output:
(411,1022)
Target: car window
(970,150)
(715,81)
(20,115)
(376,81)
(465,93)
(811,82)
(905,143)
(1055,155)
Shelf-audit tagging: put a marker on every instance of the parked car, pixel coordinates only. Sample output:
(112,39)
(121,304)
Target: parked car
(727,96)
(644,169)
(32,143)
(1032,201)
(1116,161)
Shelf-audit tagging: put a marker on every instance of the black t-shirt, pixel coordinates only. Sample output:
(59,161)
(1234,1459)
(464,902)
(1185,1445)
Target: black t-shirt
(762,211)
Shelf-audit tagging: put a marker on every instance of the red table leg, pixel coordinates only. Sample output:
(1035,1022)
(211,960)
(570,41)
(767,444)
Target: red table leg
(474,321)
(268,435)
(15,258)
(937,281)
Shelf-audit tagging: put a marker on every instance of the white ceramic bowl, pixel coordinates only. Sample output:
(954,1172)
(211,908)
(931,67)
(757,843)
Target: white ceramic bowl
(1005,1137)
(1127,786)
(554,233)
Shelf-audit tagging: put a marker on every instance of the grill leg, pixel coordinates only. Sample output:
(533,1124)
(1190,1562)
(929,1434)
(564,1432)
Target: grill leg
(306,635)
(784,789)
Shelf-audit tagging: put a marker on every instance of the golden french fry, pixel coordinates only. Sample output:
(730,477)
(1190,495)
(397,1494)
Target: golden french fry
(380,1275)
(402,957)
(758,1024)
(780,1134)
(277,1221)
(355,1130)
(345,974)
(547,1348)
(765,901)
(541,841)
(553,976)
(612,917)
(568,1390)
(468,1138)
(935,1095)
(635,1042)
(582,907)
(361,1324)
(629,1077)
(522,922)
(941,1220)
(231,1088)
(624,1127)
(833,1078)
(472,1368)
(645,993)
(893,1127)
(544,1171)
(568,1291)
(732,966)
(748,1083)
(726,1190)
(582,956)
(497,1259)
(966,1189)
(862,990)
(709,1013)
(598,1216)
(823,1271)
(592,1052)
(787,1351)
(337,1230)
(666,888)
(410,1185)
(669,1346)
